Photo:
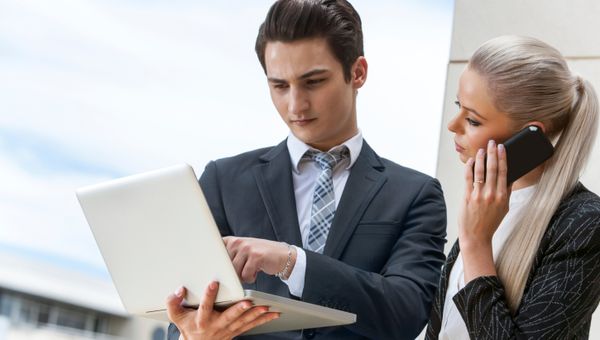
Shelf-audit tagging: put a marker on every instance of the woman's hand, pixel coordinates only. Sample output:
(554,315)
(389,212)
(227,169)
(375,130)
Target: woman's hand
(484,206)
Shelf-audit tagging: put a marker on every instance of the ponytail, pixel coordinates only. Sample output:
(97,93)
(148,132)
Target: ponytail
(530,81)
(561,174)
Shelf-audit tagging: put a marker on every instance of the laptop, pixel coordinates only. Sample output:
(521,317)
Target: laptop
(156,233)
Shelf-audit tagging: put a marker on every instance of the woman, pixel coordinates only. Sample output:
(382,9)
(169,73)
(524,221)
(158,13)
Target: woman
(527,260)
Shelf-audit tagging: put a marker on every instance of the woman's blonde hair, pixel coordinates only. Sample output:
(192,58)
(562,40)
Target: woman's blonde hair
(530,81)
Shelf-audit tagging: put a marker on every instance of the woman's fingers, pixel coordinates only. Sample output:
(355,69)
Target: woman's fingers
(469,177)
(479,173)
(491,168)
(502,186)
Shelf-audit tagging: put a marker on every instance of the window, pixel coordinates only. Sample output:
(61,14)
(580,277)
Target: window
(40,312)
(5,304)
(43,314)
(100,324)
(28,312)
(70,318)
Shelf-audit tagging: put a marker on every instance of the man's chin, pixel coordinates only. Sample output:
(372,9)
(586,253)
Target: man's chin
(304,135)
(312,141)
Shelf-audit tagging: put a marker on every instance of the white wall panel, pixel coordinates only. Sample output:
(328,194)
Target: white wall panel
(571,25)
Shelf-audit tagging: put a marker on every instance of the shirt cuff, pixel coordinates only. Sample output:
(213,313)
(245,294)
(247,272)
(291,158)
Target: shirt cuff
(295,282)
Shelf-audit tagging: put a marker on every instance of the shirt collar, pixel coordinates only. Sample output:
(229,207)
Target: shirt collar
(298,148)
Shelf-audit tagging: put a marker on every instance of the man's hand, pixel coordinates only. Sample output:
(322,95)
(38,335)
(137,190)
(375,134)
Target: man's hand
(251,255)
(207,323)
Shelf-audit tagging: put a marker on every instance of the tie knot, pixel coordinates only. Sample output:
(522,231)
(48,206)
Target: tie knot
(328,160)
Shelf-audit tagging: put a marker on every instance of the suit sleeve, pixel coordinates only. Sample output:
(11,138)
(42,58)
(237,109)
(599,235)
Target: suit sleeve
(394,303)
(210,188)
(560,297)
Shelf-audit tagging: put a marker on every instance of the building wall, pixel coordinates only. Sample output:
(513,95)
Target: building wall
(141,328)
(25,316)
(570,26)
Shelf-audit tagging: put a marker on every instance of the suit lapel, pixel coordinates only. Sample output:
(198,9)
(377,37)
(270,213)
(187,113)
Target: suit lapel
(276,187)
(364,182)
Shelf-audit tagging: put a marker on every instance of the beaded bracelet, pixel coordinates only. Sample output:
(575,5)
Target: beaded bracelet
(285,269)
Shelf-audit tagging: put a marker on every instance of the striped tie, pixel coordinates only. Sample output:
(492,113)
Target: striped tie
(323,206)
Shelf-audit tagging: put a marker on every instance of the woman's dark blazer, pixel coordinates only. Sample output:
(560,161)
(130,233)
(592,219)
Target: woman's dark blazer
(562,290)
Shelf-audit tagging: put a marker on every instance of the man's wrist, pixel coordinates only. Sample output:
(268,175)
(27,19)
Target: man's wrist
(290,262)
(294,256)
(295,281)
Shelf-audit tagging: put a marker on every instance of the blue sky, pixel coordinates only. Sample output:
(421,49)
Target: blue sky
(93,90)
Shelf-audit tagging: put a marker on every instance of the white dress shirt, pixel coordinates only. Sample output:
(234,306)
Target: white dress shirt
(305,173)
(453,326)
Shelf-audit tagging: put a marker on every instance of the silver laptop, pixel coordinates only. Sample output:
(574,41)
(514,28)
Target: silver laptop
(156,233)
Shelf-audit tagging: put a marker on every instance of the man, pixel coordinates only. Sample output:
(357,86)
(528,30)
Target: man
(366,234)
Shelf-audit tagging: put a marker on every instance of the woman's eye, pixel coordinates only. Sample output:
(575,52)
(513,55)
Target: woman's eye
(473,122)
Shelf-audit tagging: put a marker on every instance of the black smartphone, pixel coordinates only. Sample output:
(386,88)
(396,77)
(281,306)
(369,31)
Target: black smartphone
(525,151)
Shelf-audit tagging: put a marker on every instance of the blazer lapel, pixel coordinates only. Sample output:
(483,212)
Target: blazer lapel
(446,269)
(440,297)
(365,180)
(276,187)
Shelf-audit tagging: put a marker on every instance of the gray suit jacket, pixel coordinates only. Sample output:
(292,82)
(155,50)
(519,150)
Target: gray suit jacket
(384,251)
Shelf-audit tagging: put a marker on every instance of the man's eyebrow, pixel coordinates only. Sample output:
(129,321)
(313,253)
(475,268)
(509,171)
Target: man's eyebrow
(304,76)
(313,73)
(275,80)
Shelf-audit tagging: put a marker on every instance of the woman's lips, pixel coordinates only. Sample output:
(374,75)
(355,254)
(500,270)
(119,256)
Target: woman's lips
(458,148)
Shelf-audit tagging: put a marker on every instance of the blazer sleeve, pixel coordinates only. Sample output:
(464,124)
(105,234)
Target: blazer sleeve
(394,303)
(561,294)
(210,188)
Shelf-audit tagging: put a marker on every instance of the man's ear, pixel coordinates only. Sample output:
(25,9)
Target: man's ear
(359,72)
(536,123)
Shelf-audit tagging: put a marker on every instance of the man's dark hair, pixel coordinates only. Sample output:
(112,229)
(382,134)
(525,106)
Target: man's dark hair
(335,20)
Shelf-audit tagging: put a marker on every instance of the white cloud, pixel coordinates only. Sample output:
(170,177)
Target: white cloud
(42,213)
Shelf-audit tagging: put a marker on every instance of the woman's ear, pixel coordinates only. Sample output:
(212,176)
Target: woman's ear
(359,72)
(536,123)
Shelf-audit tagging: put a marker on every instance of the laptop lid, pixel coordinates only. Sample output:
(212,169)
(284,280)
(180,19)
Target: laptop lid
(141,223)
(155,232)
